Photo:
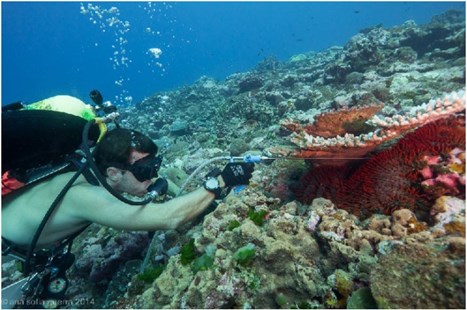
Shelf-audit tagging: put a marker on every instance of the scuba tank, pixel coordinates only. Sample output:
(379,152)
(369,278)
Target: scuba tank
(38,139)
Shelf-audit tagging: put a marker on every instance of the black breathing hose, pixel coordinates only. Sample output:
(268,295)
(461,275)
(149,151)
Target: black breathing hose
(53,206)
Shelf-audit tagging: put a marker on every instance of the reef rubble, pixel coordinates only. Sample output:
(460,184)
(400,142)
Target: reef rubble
(312,256)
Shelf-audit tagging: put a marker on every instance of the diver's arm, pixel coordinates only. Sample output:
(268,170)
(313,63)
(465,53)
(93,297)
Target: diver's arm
(96,205)
(102,208)
(182,209)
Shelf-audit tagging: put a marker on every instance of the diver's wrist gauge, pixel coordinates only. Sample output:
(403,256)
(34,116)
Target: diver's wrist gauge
(57,285)
(212,185)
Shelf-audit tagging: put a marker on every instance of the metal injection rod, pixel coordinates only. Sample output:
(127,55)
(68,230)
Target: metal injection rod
(257,158)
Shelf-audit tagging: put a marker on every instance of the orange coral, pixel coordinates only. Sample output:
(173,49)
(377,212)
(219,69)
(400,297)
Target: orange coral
(340,122)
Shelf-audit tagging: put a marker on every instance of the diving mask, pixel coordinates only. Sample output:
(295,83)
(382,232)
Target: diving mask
(146,168)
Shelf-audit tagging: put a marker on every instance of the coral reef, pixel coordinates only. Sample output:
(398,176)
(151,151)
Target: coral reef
(401,67)
(386,230)
(101,258)
(419,276)
(339,262)
(317,253)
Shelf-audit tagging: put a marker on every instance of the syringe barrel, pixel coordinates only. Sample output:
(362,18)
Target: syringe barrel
(252,158)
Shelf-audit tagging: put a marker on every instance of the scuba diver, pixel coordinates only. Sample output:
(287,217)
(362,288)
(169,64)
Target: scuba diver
(54,186)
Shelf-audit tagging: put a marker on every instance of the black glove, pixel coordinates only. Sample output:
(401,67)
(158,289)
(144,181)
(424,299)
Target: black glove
(237,174)
(160,186)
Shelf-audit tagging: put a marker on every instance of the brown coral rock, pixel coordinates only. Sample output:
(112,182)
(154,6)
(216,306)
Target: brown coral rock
(419,276)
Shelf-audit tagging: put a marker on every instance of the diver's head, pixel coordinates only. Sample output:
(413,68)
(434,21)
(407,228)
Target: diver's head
(128,159)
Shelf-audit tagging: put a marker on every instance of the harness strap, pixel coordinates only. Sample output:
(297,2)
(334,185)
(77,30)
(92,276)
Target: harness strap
(10,248)
(55,203)
(90,178)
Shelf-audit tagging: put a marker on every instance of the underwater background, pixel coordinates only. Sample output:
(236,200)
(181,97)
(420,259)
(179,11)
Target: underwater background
(51,48)
(359,106)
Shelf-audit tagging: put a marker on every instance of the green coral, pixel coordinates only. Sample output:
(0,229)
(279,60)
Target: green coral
(204,262)
(303,305)
(282,300)
(176,175)
(252,280)
(232,225)
(151,274)
(342,285)
(257,216)
(188,252)
(189,255)
(362,299)
(245,254)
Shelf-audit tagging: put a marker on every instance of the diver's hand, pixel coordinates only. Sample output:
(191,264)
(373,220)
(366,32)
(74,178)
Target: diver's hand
(237,174)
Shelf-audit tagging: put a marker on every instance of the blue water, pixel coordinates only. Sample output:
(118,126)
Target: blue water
(59,48)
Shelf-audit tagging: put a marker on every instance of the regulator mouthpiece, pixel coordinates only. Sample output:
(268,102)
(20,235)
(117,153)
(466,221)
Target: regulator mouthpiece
(158,188)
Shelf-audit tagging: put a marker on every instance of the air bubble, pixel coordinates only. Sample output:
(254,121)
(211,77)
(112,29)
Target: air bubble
(155,51)
(110,17)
